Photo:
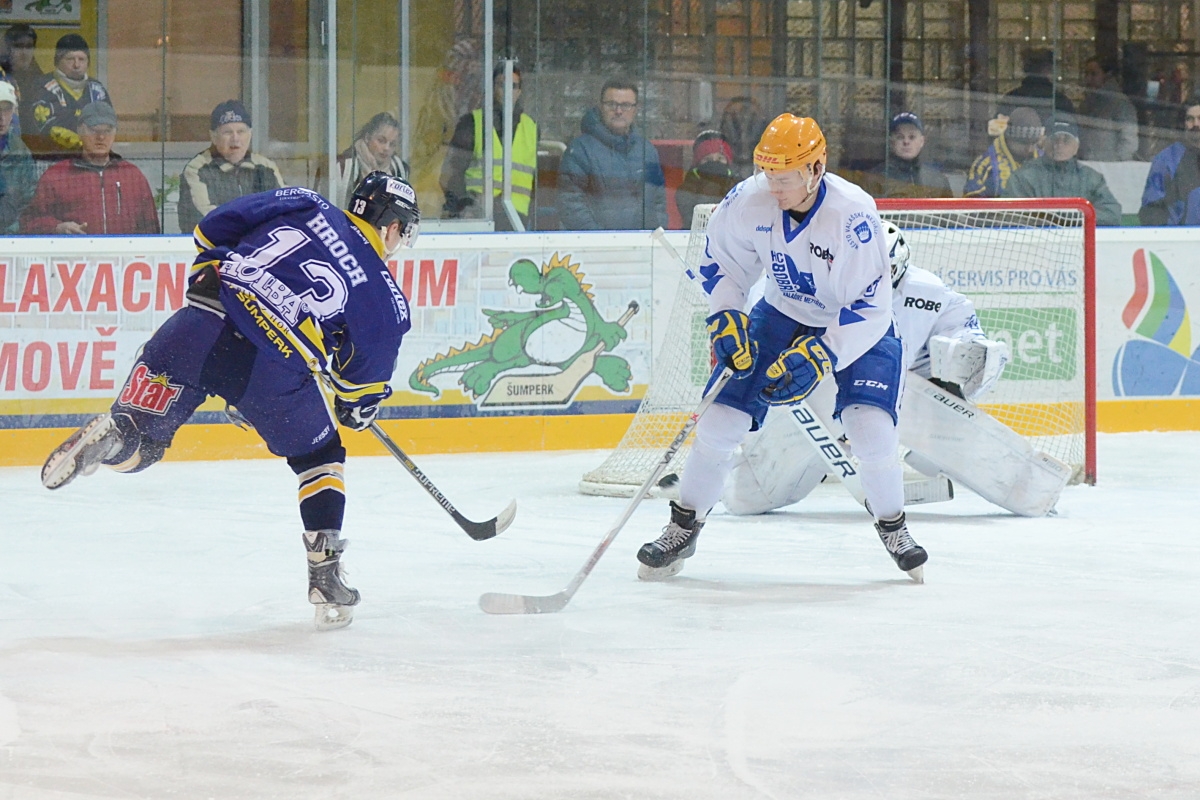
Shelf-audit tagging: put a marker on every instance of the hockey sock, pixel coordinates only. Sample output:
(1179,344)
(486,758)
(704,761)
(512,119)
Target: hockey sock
(875,441)
(322,486)
(718,434)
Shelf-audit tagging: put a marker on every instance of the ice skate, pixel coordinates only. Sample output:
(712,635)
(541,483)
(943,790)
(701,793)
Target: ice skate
(82,452)
(908,555)
(664,557)
(327,589)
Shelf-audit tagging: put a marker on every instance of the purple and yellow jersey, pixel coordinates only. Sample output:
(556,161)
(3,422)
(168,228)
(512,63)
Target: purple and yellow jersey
(306,283)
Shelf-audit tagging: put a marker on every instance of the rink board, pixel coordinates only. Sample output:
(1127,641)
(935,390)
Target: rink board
(73,313)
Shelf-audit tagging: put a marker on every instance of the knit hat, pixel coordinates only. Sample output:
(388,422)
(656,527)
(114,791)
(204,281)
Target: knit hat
(1024,125)
(7,93)
(709,142)
(905,118)
(98,113)
(1064,126)
(71,43)
(229,111)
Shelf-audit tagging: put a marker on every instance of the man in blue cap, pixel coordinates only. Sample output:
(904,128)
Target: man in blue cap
(904,174)
(227,170)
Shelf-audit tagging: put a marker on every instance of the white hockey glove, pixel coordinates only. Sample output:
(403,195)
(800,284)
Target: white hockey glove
(973,365)
(356,416)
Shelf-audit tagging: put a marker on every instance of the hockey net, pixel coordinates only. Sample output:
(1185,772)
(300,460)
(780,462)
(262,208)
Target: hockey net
(1028,266)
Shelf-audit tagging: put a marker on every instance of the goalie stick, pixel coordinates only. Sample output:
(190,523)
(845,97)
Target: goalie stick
(837,460)
(499,603)
(478,531)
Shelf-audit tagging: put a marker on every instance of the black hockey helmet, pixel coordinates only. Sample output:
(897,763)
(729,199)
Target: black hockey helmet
(380,198)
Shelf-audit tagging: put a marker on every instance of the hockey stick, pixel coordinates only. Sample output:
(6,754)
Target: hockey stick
(837,460)
(476,530)
(498,603)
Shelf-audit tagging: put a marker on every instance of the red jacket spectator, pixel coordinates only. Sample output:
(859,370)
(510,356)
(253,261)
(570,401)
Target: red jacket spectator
(114,198)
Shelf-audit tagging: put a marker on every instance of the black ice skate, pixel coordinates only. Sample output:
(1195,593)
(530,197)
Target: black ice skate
(82,452)
(908,555)
(664,557)
(327,588)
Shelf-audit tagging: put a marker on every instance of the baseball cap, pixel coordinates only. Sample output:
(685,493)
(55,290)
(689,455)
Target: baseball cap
(227,112)
(905,118)
(7,93)
(1064,126)
(98,113)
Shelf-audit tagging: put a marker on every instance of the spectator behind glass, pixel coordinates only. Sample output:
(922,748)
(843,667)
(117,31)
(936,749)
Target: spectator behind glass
(1108,123)
(1038,89)
(1061,175)
(226,170)
(1172,193)
(374,148)
(1008,152)
(462,170)
(904,174)
(610,177)
(18,176)
(58,104)
(742,124)
(20,64)
(711,176)
(95,193)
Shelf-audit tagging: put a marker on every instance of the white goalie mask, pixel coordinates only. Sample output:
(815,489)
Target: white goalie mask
(898,251)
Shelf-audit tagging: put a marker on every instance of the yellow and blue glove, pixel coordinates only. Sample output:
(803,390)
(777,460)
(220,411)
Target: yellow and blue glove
(729,332)
(797,371)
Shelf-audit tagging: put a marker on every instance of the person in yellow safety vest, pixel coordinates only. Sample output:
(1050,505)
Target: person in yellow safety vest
(462,171)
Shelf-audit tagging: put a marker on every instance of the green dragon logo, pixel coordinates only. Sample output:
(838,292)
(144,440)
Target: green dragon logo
(542,380)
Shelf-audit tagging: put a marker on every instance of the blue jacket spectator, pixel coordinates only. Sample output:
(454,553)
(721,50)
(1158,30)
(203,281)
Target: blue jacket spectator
(1172,193)
(610,177)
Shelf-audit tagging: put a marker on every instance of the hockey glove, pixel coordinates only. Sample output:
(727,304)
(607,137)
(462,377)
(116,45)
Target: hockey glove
(797,371)
(729,331)
(356,416)
(975,365)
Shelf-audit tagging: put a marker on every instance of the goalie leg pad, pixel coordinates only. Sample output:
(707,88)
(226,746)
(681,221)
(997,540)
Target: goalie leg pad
(775,468)
(979,452)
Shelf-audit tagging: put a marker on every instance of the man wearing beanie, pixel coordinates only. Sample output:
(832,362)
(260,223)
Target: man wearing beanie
(64,94)
(711,176)
(1016,145)
(225,171)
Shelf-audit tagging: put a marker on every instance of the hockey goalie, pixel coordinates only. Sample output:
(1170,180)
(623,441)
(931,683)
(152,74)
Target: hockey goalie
(951,364)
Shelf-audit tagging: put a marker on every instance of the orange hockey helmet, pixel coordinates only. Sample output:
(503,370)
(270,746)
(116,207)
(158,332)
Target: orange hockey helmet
(791,143)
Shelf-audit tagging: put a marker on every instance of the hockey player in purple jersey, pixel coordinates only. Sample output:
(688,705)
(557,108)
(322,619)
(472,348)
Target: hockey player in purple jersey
(288,291)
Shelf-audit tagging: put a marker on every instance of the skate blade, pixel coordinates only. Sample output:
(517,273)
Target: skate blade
(917,574)
(647,573)
(330,616)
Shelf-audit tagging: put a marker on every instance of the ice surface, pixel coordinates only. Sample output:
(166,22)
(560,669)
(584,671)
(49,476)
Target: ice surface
(155,642)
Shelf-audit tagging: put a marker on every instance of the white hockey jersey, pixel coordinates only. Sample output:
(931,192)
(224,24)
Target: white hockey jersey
(829,271)
(924,307)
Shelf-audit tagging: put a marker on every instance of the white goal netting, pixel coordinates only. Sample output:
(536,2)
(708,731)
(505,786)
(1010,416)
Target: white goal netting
(1026,265)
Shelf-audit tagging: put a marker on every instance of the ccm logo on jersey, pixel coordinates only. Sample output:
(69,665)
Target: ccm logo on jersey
(919,302)
(872,384)
(147,392)
(820,252)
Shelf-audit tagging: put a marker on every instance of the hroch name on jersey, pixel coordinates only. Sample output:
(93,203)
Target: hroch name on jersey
(337,248)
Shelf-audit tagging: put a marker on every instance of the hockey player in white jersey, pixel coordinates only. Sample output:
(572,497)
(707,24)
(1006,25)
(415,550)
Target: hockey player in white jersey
(826,311)
(777,466)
